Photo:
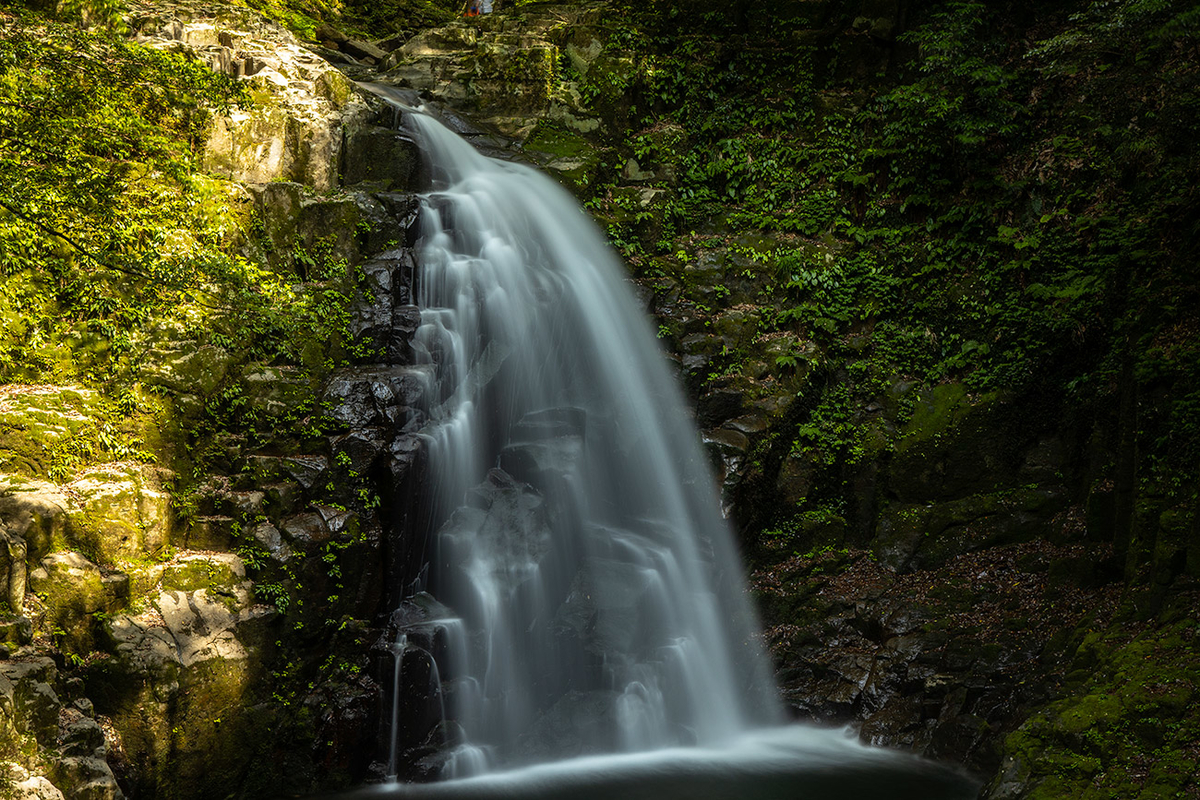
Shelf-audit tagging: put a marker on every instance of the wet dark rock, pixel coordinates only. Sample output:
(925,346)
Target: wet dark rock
(405,320)
(924,660)
(420,733)
(567,728)
(282,498)
(305,470)
(550,423)
(345,727)
(405,208)
(376,395)
(271,540)
(383,157)
(337,520)
(752,423)
(362,50)
(418,610)
(305,529)
(716,407)
(543,463)
(504,518)
(360,447)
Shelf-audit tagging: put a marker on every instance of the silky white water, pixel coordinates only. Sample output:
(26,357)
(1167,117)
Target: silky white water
(596,636)
(605,610)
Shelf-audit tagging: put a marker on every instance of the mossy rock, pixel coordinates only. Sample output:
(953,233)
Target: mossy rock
(36,423)
(73,591)
(276,391)
(221,574)
(925,535)
(955,444)
(568,157)
(201,731)
(36,511)
(1135,709)
(187,368)
(122,515)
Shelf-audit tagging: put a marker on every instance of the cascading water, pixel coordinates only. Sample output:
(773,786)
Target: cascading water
(608,606)
(597,598)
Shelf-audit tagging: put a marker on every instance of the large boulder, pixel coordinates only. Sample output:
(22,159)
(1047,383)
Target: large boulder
(377,395)
(122,514)
(950,447)
(293,131)
(923,535)
(35,512)
(181,672)
(73,590)
(23,785)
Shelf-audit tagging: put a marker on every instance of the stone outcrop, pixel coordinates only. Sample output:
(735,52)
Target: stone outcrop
(503,71)
(196,659)
(295,129)
(46,741)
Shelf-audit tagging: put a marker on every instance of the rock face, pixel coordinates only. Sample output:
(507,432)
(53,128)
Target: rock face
(502,71)
(46,742)
(200,662)
(296,129)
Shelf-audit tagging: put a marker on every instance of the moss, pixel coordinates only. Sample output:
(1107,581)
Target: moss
(937,410)
(568,156)
(71,591)
(1136,709)
(192,574)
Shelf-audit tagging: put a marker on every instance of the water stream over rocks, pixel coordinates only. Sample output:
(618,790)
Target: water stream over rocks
(583,618)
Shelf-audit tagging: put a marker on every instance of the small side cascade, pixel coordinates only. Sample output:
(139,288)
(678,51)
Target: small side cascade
(398,648)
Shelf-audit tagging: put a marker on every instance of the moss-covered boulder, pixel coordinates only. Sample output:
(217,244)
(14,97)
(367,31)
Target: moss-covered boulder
(184,673)
(924,535)
(35,512)
(24,785)
(72,590)
(955,444)
(1128,728)
(122,513)
(37,424)
(293,129)
(220,574)
(187,368)
(567,156)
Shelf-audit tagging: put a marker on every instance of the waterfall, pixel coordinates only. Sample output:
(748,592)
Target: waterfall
(586,621)
(580,540)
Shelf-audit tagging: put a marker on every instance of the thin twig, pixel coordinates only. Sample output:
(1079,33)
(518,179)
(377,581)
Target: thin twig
(94,259)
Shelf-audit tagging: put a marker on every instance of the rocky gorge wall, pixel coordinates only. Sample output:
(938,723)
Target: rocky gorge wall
(193,578)
(954,570)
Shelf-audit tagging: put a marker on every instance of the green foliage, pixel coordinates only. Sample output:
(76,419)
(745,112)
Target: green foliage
(112,243)
(1016,211)
(99,223)
(98,136)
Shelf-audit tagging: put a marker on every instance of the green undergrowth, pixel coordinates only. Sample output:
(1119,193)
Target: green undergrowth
(370,20)
(1003,197)
(124,267)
